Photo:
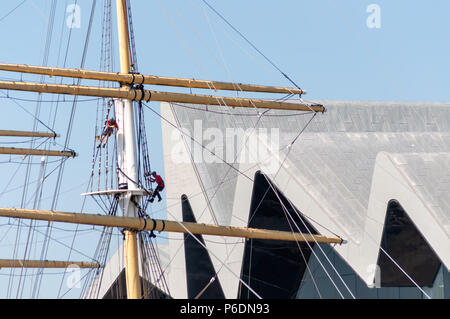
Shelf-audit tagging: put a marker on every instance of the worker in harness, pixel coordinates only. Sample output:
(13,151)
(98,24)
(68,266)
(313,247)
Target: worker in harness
(110,126)
(156,178)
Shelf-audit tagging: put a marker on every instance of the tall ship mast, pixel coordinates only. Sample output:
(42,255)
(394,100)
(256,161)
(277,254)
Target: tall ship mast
(293,217)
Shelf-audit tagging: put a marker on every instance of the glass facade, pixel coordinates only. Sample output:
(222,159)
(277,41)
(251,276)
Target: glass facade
(330,286)
(402,241)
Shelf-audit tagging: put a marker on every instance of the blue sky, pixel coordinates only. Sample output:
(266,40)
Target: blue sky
(325,46)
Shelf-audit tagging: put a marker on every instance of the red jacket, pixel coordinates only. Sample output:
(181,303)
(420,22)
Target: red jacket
(159,180)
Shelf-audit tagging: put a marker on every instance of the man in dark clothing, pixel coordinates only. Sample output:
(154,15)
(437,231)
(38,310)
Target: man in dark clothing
(110,126)
(160,186)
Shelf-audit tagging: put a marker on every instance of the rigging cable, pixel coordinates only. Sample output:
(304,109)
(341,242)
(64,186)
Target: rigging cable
(15,8)
(234,161)
(189,232)
(36,204)
(195,141)
(56,240)
(287,213)
(92,286)
(219,100)
(24,109)
(191,137)
(214,193)
(398,266)
(240,114)
(294,140)
(251,215)
(105,64)
(50,25)
(45,101)
(329,276)
(266,191)
(338,236)
(75,234)
(69,130)
(251,44)
(221,64)
(147,247)
(393,261)
(222,262)
(202,145)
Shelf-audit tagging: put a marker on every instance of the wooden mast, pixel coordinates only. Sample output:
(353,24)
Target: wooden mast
(126,92)
(133,281)
(30,151)
(146,79)
(17,263)
(139,224)
(27,133)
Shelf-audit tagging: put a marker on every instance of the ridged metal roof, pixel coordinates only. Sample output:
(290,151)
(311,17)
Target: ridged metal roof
(336,154)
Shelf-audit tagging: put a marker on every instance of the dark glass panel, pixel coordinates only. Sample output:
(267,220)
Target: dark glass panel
(404,243)
(273,269)
(199,267)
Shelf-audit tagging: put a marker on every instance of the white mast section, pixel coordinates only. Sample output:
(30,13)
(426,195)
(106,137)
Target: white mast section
(126,134)
(127,154)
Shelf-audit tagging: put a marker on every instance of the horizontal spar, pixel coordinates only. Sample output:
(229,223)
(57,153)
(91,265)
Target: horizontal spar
(147,95)
(146,79)
(15,263)
(30,151)
(163,225)
(27,133)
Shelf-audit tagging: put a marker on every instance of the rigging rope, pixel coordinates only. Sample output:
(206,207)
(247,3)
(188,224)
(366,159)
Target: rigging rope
(44,251)
(251,215)
(304,224)
(93,283)
(7,96)
(23,108)
(195,141)
(234,161)
(266,191)
(190,233)
(14,9)
(219,100)
(50,25)
(151,265)
(234,247)
(251,44)
(241,114)
(224,176)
